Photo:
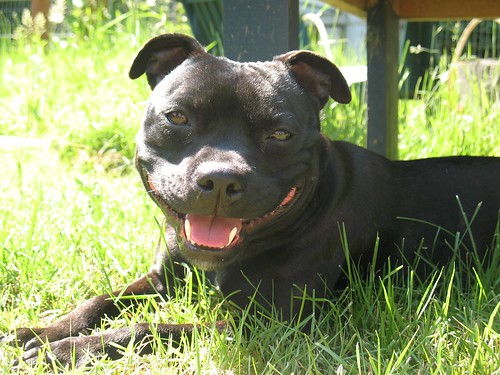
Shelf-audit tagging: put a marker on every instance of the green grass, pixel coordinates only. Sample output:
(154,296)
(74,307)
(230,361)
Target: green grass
(76,222)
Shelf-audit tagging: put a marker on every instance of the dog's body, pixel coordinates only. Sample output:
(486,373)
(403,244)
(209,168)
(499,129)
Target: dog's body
(232,153)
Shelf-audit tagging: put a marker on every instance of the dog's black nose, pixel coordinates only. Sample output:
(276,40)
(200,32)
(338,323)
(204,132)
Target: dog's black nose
(222,185)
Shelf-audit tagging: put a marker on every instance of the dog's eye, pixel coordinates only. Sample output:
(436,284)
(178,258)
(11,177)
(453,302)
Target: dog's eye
(281,135)
(177,118)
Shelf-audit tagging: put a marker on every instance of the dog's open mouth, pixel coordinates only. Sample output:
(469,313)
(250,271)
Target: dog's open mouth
(217,232)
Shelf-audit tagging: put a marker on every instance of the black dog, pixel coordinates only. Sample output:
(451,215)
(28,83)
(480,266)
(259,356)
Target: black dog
(232,153)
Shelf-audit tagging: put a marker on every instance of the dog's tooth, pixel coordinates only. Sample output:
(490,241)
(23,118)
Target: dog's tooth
(187,229)
(232,234)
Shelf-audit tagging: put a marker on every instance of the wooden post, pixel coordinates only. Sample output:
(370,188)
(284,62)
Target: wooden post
(259,29)
(41,7)
(383,60)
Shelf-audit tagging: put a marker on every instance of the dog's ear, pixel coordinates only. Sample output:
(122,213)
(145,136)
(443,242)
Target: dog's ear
(317,75)
(163,54)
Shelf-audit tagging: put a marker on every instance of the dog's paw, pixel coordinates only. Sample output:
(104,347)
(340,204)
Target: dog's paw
(69,352)
(77,351)
(21,336)
(30,338)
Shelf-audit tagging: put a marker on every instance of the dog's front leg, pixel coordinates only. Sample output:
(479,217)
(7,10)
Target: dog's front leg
(77,351)
(89,314)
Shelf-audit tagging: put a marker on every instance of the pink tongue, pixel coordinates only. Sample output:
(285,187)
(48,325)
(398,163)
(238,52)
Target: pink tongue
(211,231)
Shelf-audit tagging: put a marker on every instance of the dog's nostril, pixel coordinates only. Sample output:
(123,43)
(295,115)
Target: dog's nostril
(233,189)
(206,184)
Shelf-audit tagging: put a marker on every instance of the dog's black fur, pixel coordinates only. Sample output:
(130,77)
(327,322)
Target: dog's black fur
(252,192)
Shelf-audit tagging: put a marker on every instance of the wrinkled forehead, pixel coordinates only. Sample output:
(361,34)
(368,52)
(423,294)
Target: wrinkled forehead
(210,83)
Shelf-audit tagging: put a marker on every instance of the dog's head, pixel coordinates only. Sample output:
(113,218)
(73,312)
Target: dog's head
(229,150)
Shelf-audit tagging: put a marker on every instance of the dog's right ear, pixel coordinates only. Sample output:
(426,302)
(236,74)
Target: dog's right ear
(163,54)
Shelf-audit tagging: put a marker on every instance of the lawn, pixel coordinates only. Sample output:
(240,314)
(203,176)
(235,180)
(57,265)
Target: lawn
(75,222)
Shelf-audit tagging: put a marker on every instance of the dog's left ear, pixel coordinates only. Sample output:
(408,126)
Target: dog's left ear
(163,54)
(317,75)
